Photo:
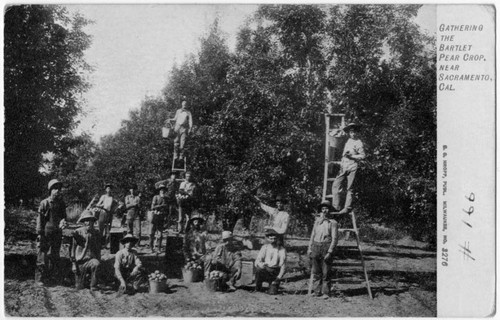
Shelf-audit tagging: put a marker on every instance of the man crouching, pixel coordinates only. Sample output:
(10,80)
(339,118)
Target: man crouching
(225,258)
(86,251)
(128,267)
(270,262)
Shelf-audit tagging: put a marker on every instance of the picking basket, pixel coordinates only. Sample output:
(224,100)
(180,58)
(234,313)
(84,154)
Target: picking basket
(191,275)
(157,286)
(214,285)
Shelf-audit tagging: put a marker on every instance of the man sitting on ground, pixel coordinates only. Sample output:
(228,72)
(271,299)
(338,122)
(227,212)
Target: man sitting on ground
(225,258)
(270,262)
(86,251)
(128,267)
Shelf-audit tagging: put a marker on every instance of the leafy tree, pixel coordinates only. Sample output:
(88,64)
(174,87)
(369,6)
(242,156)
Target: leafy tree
(44,78)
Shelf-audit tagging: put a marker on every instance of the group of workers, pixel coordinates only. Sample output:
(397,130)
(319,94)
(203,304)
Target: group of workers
(129,271)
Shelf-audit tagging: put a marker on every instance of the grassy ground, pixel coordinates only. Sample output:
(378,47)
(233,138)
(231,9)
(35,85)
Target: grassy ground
(402,275)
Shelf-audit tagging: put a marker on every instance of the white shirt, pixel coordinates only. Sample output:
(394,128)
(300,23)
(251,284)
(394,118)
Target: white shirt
(353,147)
(183,117)
(279,219)
(271,256)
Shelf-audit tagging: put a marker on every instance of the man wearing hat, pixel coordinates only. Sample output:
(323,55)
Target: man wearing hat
(182,128)
(270,262)
(225,258)
(128,267)
(189,196)
(49,224)
(353,153)
(85,253)
(324,238)
(194,245)
(132,204)
(159,208)
(278,217)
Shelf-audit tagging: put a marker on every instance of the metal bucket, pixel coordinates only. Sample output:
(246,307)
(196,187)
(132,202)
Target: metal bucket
(273,289)
(190,275)
(157,286)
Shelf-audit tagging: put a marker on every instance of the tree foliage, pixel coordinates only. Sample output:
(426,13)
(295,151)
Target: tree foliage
(44,78)
(259,120)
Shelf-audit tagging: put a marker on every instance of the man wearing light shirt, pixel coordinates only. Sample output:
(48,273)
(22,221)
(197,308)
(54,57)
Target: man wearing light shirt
(278,217)
(353,153)
(182,128)
(324,238)
(270,262)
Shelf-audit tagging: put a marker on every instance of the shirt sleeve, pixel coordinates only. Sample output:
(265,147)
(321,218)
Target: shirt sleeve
(361,151)
(334,231)
(118,258)
(313,232)
(101,201)
(41,217)
(282,257)
(137,262)
(261,256)
(268,209)
(284,224)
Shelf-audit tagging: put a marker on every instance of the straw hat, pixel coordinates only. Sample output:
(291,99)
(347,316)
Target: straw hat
(129,238)
(53,183)
(86,215)
(325,203)
(352,126)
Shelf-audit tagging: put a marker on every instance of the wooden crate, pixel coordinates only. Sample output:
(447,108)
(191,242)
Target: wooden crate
(247,272)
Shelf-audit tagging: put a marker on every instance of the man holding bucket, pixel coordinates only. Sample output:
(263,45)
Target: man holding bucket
(270,262)
(324,238)
(353,153)
(86,251)
(225,258)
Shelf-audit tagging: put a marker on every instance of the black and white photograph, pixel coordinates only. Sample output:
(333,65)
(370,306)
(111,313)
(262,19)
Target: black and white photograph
(247,160)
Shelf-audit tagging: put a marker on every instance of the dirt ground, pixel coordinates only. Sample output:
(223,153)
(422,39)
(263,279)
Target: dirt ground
(402,276)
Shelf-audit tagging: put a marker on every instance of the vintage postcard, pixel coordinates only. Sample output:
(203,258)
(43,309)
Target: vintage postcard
(249,160)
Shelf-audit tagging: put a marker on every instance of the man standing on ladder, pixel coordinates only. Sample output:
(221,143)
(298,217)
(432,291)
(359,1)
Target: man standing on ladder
(182,128)
(353,153)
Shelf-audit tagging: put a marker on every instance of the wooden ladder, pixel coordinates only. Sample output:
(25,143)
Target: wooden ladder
(333,151)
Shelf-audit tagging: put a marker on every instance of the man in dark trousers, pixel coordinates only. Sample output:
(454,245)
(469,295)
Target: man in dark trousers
(49,224)
(324,238)
(86,251)
(270,262)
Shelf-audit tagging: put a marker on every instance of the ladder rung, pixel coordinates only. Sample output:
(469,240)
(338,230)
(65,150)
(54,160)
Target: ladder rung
(330,179)
(334,161)
(350,230)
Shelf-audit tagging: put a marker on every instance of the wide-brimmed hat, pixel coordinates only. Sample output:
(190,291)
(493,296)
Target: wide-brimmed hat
(352,126)
(133,186)
(129,238)
(227,235)
(86,215)
(108,185)
(53,183)
(325,203)
(280,198)
(198,216)
(270,232)
(161,186)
